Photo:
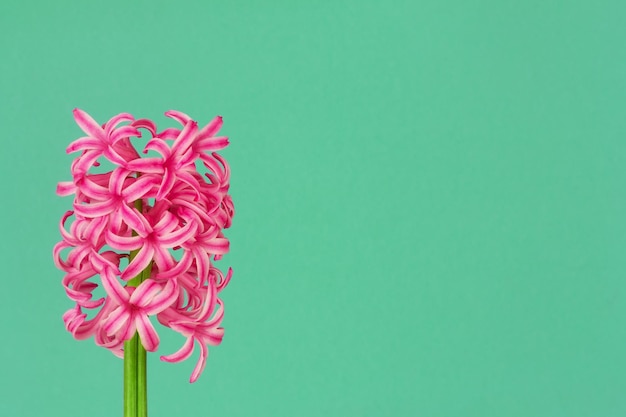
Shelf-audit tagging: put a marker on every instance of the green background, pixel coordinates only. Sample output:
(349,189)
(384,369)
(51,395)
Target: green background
(430,202)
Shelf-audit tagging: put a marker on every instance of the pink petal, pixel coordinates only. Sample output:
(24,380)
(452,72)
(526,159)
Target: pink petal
(211,163)
(185,328)
(78,277)
(116,120)
(117,180)
(117,350)
(145,292)
(179,269)
(145,124)
(216,246)
(94,190)
(179,116)
(226,172)
(88,124)
(77,255)
(94,232)
(158,145)
(123,242)
(146,165)
(185,160)
(169,178)
(65,188)
(164,299)
(58,260)
(112,257)
(85,162)
(127,332)
(139,263)
(149,336)
(78,291)
(84,143)
(169,133)
(203,263)
(100,179)
(213,336)
(186,138)
(125,149)
(196,211)
(75,322)
(133,218)
(163,258)
(166,222)
(73,317)
(197,370)
(216,320)
(181,354)
(212,143)
(224,280)
(88,328)
(94,209)
(103,264)
(211,129)
(146,223)
(123,132)
(114,289)
(112,155)
(140,188)
(209,302)
(92,304)
(67,236)
(117,320)
(178,237)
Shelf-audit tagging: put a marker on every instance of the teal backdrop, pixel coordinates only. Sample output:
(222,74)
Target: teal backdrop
(430,213)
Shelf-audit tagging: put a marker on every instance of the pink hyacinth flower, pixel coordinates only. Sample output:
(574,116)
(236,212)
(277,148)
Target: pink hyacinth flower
(100,141)
(202,330)
(145,209)
(134,306)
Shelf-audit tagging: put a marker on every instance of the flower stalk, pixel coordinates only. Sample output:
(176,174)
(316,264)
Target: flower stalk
(130,377)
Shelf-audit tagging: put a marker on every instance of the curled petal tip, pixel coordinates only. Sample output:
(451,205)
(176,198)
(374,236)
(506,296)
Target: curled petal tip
(78,112)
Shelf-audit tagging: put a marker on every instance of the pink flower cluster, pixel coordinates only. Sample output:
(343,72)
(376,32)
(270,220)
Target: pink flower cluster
(150,207)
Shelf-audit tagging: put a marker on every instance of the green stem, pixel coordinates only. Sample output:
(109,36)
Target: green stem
(135,375)
(142,386)
(130,377)
(142,381)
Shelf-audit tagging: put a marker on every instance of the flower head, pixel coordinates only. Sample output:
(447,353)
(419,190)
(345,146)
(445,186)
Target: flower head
(132,220)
